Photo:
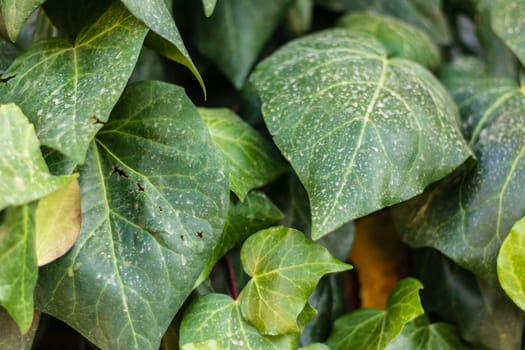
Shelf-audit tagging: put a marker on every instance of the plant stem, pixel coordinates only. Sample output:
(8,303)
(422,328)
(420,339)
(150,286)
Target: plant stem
(233,290)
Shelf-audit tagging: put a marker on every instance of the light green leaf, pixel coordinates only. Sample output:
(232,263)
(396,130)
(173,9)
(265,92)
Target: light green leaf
(11,338)
(8,53)
(285,267)
(19,270)
(399,38)
(15,13)
(76,86)
(214,321)
(420,334)
(375,329)
(58,218)
(154,199)
(165,38)
(300,16)
(244,218)
(24,173)
(315,346)
(467,216)
(209,6)
(511,264)
(508,23)
(233,37)
(362,131)
(251,160)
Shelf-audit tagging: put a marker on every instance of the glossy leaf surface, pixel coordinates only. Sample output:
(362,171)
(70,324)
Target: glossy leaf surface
(362,131)
(154,200)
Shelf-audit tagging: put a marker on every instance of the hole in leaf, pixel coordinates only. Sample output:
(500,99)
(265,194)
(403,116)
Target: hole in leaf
(6,79)
(119,172)
(140,188)
(199,234)
(96,120)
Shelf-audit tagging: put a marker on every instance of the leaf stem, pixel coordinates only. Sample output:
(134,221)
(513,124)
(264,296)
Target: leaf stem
(233,289)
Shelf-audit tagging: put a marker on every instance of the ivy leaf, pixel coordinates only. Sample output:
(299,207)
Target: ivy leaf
(234,48)
(373,328)
(399,38)
(285,267)
(19,270)
(58,218)
(25,176)
(420,334)
(154,199)
(300,16)
(214,321)
(251,160)
(15,13)
(8,53)
(11,338)
(166,38)
(468,216)
(508,23)
(362,131)
(209,6)
(315,346)
(511,262)
(76,85)
(244,218)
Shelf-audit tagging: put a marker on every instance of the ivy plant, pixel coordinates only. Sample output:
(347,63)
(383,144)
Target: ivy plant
(187,175)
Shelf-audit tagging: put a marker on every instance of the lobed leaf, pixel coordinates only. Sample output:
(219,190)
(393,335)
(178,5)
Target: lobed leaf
(285,268)
(15,13)
(362,131)
(78,85)
(154,199)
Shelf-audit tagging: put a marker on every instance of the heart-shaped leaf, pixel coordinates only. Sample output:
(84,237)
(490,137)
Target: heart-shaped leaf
(154,200)
(362,131)
(15,13)
(375,329)
(509,24)
(24,173)
(251,160)
(285,267)
(76,85)
(511,264)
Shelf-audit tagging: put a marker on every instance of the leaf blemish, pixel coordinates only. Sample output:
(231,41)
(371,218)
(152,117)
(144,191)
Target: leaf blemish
(96,120)
(6,79)
(182,237)
(119,172)
(199,234)
(140,188)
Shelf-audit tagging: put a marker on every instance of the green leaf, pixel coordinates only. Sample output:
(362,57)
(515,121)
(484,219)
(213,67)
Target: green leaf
(508,23)
(315,346)
(362,131)
(76,86)
(251,160)
(233,37)
(58,219)
(15,13)
(420,334)
(19,270)
(209,6)
(154,199)
(399,38)
(285,268)
(11,338)
(214,321)
(25,176)
(468,216)
(511,264)
(8,53)
(165,38)
(300,16)
(373,328)
(244,218)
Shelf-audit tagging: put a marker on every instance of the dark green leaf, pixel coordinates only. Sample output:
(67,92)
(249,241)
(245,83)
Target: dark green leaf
(420,334)
(149,66)
(361,130)
(285,267)
(76,86)
(11,338)
(209,6)
(375,329)
(251,160)
(467,216)
(399,38)
(19,270)
(214,321)
(233,37)
(24,173)
(8,53)
(16,12)
(511,264)
(509,23)
(154,199)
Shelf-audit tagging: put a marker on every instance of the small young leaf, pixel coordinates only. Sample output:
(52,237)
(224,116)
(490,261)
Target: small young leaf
(209,6)
(76,86)
(399,38)
(214,321)
(285,268)
(24,173)
(15,13)
(154,201)
(11,338)
(509,23)
(375,329)
(362,131)
(251,160)
(57,219)
(19,270)
(511,264)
